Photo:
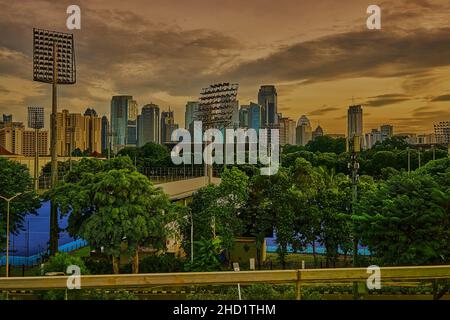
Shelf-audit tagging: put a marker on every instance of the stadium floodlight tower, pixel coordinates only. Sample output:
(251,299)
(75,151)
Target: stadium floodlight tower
(53,62)
(216,106)
(36,122)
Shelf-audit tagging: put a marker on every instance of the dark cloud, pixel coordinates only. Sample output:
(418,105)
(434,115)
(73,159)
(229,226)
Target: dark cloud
(353,54)
(385,99)
(444,97)
(322,111)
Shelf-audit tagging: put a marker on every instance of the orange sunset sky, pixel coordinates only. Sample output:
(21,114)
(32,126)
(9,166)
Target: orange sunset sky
(318,53)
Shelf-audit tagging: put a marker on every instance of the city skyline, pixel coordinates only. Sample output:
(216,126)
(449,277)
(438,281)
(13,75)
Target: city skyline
(320,61)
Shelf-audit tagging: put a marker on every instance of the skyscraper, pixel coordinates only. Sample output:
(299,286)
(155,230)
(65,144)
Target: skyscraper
(148,125)
(254,116)
(303,131)
(11,135)
(244,116)
(189,115)
(77,131)
(387,131)
(119,121)
(132,123)
(354,121)
(168,125)
(318,132)
(267,99)
(93,131)
(29,143)
(105,133)
(7,118)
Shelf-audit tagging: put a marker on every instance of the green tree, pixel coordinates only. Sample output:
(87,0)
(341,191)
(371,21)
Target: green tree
(15,178)
(406,221)
(325,144)
(115,207)
(216,210)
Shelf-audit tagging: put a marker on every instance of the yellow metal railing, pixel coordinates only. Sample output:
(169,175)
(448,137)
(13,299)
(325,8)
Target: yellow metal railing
(298,277)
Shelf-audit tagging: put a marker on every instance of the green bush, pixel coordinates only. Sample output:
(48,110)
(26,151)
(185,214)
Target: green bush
(98,264)
(60,262)
(160,263)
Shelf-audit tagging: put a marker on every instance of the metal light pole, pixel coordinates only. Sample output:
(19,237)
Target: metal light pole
(8,200)
(409,160)
(354,166)
(59,70)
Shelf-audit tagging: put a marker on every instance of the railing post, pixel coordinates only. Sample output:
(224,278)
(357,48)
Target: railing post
(298,289)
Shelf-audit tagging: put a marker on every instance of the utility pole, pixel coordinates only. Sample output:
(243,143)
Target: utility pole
(36,158)
(354,167)
(419,158)
(409,160)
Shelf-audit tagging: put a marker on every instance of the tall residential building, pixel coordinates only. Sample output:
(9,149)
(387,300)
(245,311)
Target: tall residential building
(77,131)
(425,138)
(303,131)
(29,143)
(287,131)
(11,136)
(372,138)
(318,132)
(15,139)
(148,125)
(267,99)
(189,115)
(387,131)
(105,133)
(168,125)
(93,131)
(119,121)
(354,121)
(442,132)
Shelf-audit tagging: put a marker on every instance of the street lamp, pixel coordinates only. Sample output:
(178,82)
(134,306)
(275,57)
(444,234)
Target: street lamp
(8,200)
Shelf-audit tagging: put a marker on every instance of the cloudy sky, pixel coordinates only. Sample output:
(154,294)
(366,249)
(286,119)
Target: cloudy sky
(319,54)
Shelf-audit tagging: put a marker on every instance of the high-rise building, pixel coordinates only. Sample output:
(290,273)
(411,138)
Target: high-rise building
(254,116)
(318,132)
(105,133)
(372,138)
(119,121)
(15,139)
(189,115)
(387,131)
(77,131)
(267,99)
(303,131)
(7,117)
(29,143)
(168,125)
(425,138)
(354,121)
(132,123)
(11,136)
(148,125)
(442,132)
(287,131)
(244,116)
(93,131)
